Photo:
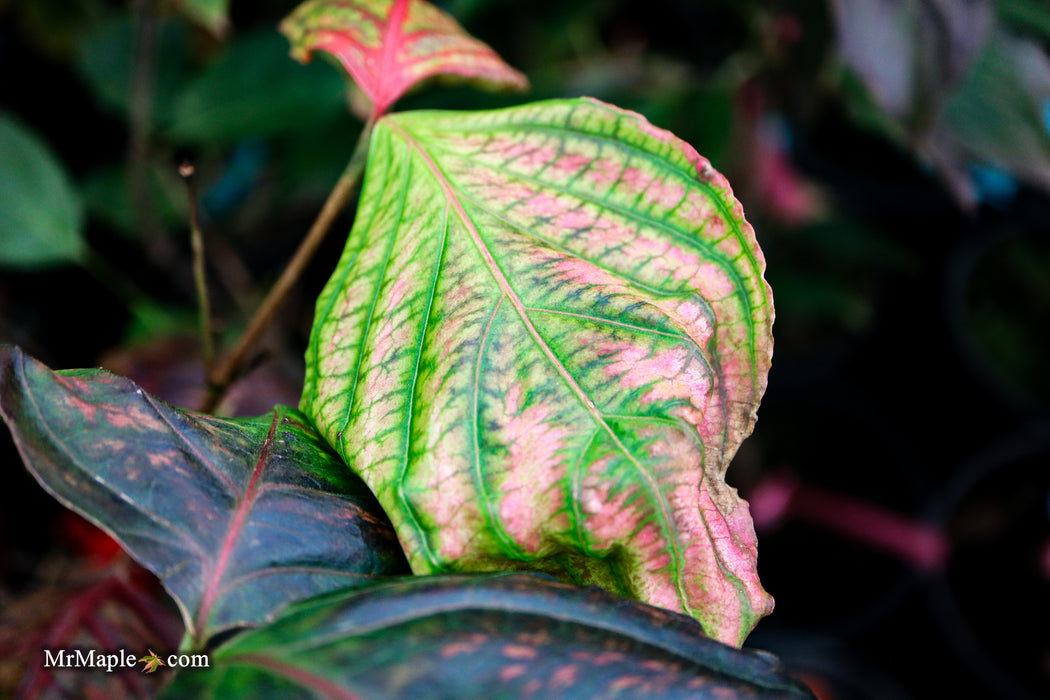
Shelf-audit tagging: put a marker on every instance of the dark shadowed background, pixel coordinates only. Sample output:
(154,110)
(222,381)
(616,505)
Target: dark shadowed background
(892,155)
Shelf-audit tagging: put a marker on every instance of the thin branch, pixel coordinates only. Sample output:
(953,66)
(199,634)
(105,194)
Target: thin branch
(187,171)
(226,372)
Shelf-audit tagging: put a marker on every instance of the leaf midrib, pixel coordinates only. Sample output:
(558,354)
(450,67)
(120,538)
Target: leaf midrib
(501,280)
(690,176)
(233,531)
(724,262)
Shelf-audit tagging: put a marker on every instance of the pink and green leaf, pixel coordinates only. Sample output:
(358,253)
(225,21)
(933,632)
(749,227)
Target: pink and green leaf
(389,46)
(547,336)
(237,517)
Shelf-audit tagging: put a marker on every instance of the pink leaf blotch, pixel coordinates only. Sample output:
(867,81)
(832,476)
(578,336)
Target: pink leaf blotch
(546,339)
(389,46)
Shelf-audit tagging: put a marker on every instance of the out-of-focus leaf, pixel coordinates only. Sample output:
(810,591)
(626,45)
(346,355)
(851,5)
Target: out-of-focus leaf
(389,46)
(962,89)
(53,26)
(1007,302)
(171,368)
(109,611)
(498,636)
(252,90)
(106,199)
(546,338)
(996,116)
(1032,16)
(236,517)
(213,15)
(911,53)
(105,61)
(40,212)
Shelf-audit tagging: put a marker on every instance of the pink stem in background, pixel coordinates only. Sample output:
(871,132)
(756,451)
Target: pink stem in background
(1046,560)
(920,544)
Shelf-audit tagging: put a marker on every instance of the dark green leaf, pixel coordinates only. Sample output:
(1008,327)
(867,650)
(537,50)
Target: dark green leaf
(496,636)
(254,89)
(1032,16)
(105,61)
(40,213)
(237,517)
(105,193)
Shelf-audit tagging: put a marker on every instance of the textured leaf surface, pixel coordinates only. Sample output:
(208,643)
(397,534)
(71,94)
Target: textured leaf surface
(500,636)
(388,46)
(236,517)
(545,340)
(40,213)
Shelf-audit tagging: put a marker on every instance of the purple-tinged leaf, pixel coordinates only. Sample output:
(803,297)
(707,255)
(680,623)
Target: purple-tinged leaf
(237,517)
(546,339)
(496,636)
(121,608)
(912,53)
(389,46)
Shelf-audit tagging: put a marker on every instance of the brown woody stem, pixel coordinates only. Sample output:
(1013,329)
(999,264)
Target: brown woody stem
(226,372)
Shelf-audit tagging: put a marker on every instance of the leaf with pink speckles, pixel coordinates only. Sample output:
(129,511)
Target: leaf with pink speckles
(493,636)
(547,336)
(389,46)
(237,517)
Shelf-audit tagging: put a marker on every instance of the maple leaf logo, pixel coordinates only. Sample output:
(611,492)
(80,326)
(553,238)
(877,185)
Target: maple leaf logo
(151,661)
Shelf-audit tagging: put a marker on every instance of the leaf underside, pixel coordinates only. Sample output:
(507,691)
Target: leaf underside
(546,338)
(493,636)
(237,517)
(389,46)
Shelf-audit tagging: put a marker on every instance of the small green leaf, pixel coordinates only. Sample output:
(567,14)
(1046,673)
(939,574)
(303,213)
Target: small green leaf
(390,46)
(546,338)
(498,636)
(152,662)
(41,219)
(237,517)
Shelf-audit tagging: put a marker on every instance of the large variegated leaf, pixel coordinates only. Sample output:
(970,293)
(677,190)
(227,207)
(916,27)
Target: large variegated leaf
(237,517)
(498,637)
(388,46)
(546,338)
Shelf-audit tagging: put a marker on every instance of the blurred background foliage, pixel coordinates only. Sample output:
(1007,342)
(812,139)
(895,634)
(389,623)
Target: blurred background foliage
(893,156)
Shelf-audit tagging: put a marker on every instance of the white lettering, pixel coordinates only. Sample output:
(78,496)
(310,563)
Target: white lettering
(52,660)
